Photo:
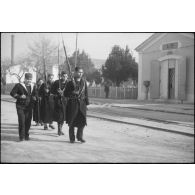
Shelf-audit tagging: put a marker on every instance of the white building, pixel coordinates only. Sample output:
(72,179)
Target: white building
(167,61)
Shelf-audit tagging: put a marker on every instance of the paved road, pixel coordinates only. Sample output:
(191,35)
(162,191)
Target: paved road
(107,142)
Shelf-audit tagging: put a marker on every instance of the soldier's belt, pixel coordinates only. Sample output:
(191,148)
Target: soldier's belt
(76,98)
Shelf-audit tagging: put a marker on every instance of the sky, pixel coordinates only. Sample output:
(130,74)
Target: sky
(96,45)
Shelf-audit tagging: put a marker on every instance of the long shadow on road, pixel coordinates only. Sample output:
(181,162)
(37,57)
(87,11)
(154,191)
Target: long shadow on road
(10,133)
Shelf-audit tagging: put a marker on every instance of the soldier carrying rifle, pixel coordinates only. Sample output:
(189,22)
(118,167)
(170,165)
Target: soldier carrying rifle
(37,104)
(47,102)
(77,93)
(60,104)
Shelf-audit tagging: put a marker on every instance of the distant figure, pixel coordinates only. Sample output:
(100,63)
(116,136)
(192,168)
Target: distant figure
(106,90)
(23,93)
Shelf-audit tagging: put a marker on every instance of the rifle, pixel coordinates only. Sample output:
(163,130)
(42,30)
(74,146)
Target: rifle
(76,51)
(38,102)
(59,72)
(67,61)
(59,67)
(44,65)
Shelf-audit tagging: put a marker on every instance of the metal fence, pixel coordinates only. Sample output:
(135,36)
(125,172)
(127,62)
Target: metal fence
(114,92)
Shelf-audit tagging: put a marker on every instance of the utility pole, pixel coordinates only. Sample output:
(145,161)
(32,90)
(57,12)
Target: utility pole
(76,51)
(12,50)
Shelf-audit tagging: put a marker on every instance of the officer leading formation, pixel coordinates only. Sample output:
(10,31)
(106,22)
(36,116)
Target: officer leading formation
(78,100)
(62,101)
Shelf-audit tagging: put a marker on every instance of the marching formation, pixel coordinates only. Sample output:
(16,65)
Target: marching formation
(62,101)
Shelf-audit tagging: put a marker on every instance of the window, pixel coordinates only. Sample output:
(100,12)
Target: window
(168,46)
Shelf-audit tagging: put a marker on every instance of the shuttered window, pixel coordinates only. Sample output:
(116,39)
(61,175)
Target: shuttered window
(155,80)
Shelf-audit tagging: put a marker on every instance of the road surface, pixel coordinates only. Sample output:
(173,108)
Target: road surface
(107,142)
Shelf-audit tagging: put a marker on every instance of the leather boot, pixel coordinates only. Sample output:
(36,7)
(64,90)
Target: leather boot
(60,129)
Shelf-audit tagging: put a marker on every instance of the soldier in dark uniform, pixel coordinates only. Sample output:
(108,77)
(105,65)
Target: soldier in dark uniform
(37,103)
(47,102)
(77,93)
(58,89)
(24,94)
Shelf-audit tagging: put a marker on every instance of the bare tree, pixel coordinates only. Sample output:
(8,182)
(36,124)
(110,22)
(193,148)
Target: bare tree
(24,64)
(43,50)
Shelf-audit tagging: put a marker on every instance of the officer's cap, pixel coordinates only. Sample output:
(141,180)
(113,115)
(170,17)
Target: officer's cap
(28,76)
(63,72)
(49,75)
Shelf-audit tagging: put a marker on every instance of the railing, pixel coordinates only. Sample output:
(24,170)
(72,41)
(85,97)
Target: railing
(114,92)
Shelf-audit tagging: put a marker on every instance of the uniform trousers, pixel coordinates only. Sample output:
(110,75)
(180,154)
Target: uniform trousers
(24,120)
(79,133)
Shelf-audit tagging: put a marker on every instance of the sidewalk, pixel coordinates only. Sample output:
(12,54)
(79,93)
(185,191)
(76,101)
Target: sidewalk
(186,108)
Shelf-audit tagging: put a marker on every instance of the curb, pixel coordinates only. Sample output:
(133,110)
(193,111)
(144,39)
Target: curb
(157,110)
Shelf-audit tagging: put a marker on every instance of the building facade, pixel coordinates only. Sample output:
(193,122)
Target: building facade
(166,60)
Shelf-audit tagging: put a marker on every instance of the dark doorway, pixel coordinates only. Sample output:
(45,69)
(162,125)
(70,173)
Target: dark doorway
(171,83)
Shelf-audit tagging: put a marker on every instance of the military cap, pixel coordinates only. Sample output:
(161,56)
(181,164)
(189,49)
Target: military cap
(49,75)
(63,72)
(78,68)
(28,76)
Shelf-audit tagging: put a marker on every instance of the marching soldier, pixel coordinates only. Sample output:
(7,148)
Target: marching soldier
(37,103)
(58,89)
(77,93)
(47,102)
(23,93)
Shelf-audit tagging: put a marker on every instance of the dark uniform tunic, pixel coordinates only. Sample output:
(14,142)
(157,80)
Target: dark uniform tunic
(23,107)
(37,105)
(77,106)
(47,103)
(60,102)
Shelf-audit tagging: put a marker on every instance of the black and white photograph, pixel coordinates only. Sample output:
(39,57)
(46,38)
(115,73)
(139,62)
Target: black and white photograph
(97,97)
(91,97)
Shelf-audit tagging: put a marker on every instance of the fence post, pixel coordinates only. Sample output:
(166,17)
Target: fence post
(124,92)
(116,92)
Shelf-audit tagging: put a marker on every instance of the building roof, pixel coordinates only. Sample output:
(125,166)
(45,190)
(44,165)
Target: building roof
(155,37)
